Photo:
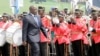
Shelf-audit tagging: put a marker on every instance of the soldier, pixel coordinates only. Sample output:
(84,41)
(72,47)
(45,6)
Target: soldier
(61,36)
(47,24)
(65,13)
(94,28)
(91,25)
(54,20)
(78,30)
(21,47)
(97,43)
(4,25)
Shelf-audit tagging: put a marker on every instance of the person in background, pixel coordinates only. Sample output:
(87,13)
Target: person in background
(31,1)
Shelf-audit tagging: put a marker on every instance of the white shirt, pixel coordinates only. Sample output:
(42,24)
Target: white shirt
(36,19)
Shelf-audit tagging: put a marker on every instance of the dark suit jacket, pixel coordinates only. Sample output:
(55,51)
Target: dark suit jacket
(31,31)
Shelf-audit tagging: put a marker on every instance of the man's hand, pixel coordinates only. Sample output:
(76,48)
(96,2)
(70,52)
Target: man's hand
(47,30)
(14,45)
(49,38)
(24,43)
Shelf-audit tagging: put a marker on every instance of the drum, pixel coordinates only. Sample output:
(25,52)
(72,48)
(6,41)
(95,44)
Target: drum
(10,32)
(17,37)
(2,37)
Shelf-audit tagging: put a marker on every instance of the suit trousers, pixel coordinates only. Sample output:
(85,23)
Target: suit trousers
(35,48)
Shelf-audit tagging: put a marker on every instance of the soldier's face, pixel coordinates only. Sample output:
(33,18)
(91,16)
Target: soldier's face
(94,17)
(54,13)
(41,12)
(78,15)
(4,18)
(61,19)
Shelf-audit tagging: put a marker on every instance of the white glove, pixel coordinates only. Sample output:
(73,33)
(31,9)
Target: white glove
(90,28)
(47,29)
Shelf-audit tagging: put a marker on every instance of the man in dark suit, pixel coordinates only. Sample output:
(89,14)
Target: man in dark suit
(32,26)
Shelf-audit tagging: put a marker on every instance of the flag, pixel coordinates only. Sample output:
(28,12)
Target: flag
(16,7)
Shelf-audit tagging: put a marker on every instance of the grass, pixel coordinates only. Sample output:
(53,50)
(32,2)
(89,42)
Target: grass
(5,6)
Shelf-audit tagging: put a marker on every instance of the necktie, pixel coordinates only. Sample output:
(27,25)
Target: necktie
(36,20)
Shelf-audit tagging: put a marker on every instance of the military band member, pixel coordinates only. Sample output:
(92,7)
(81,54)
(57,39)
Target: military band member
(21,47)
(94,28)
(61,31)
(97,41)
(4,25)
(78,29)
(47,24)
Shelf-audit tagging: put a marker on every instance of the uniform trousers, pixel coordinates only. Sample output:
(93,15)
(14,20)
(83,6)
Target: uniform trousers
(43,48)
(59,49)
(4,50)
(77,47)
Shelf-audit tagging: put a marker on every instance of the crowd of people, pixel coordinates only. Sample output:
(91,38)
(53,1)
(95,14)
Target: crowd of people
(57,33)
